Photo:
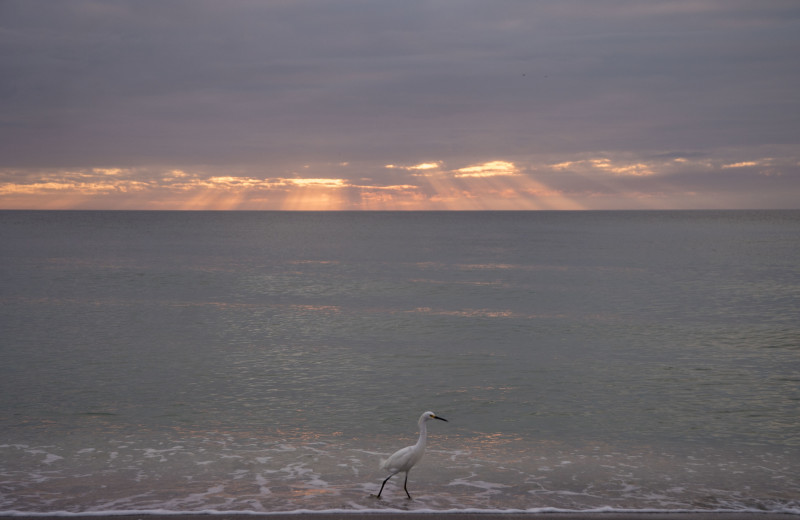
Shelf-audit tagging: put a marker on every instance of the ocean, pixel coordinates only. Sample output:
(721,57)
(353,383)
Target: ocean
(267,361)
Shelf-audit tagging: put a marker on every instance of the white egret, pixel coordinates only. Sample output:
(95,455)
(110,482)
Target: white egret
(404,459)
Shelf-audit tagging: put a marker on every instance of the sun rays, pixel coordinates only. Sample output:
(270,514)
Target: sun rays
(596,181)
(491,185)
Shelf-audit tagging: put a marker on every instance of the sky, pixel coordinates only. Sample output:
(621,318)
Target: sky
(399,105)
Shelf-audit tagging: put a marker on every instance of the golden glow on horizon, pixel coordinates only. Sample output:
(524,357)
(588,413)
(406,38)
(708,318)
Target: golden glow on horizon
(588,182)
(490,185)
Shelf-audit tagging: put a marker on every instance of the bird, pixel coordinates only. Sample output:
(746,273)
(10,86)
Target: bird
(404,459)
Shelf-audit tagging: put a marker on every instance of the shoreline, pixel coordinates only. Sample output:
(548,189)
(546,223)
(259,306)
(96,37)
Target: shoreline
(404,515)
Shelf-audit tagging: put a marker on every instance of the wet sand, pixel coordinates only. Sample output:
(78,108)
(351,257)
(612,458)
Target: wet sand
(389,515)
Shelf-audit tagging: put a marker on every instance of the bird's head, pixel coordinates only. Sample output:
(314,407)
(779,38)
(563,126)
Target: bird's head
(427,416)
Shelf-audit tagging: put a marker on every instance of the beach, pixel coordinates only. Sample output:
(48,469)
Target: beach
(455,515)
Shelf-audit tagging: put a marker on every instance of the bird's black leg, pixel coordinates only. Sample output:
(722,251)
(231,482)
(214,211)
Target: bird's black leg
(406,488)
(384,483)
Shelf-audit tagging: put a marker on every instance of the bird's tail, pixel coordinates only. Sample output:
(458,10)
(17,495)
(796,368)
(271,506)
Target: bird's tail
(382,464)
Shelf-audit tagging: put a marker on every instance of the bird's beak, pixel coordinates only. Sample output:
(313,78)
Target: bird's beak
(440,418)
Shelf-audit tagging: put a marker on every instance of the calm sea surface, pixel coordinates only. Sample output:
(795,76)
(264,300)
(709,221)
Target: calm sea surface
(266,361)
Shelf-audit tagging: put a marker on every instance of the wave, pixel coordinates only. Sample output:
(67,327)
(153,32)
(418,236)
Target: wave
(377,511)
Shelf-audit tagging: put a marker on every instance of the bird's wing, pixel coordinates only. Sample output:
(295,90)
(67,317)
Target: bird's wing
(398,459)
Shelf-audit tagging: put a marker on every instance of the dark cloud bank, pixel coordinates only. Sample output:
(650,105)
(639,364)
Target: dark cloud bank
(703,95)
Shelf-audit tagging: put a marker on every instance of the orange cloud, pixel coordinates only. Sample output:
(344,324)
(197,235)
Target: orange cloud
(494,184)
(326,183)
(743,164)
(605,164)
(588,181)
(421,166)
(491,185)
(488,169)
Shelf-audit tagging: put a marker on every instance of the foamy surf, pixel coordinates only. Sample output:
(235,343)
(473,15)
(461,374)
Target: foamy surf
(243,475)
(540,512)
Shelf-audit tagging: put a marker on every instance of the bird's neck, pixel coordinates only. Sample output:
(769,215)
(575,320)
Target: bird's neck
(423,434)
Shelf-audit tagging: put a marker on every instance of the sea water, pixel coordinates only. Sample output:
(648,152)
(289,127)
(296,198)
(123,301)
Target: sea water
(267,361)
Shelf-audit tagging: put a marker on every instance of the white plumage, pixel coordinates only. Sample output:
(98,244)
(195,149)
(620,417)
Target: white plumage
(404,459)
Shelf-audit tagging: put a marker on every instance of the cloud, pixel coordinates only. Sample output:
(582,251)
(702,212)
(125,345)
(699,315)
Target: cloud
(605,182)
(743,164)
(421,166)
(604,164)
(488,169)
(616,93)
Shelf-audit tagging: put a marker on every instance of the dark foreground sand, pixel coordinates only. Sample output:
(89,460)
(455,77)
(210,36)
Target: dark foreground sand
(435,516)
